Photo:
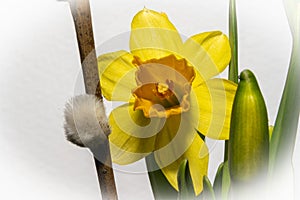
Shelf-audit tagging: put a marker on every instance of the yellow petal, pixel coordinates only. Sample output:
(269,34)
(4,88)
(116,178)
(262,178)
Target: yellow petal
(175,147)
(270,132)
(178,130)
(198,158)
(176,141)
(209,52)
(198,79)
(215,99)
(133,135)
(117,75)
(153,35)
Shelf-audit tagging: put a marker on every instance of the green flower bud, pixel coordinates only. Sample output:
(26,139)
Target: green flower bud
(249,135)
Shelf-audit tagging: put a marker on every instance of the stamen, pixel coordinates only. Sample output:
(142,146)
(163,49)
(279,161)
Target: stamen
(162,88)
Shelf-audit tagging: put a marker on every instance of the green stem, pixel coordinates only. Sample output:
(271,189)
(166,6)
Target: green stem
(233,65)
(233,40)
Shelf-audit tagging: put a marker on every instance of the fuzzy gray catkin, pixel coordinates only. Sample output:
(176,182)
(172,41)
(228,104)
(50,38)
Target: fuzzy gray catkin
(86,124)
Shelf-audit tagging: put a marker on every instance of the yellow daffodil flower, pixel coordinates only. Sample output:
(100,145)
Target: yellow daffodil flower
(170,92)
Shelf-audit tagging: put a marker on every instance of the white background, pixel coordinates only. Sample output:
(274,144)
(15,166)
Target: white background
(39,65)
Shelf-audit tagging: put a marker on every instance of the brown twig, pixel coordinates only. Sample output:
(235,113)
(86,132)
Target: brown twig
(84,31)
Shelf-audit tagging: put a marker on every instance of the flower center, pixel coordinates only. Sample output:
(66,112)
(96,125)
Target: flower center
(163,86)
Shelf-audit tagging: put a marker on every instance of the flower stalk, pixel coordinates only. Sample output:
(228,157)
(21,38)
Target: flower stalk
(233,40)
(233,65)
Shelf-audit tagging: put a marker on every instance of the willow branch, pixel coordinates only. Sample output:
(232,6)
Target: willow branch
(81,14)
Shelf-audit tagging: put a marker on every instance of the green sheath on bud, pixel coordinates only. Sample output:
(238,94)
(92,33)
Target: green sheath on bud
(249,135)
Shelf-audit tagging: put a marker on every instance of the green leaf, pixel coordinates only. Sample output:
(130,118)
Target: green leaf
(208,191)
(218,181)
(185,184)
(225,181)
(160,186)
(285,128)
(292,12)
(222,182)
